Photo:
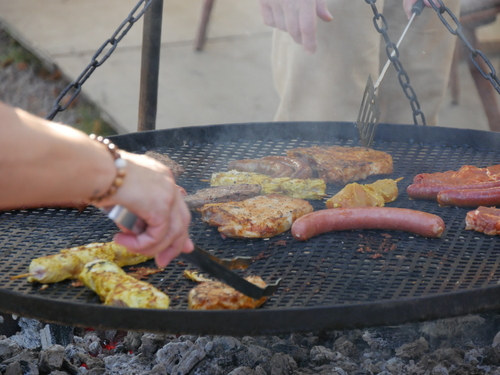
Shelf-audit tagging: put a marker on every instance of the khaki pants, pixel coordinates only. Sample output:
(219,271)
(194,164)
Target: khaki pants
(329,85)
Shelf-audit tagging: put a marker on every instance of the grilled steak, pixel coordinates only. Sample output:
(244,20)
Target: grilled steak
(484,219)
(175,167)
(340,165)
(263,216)
(222,194)
(214,295)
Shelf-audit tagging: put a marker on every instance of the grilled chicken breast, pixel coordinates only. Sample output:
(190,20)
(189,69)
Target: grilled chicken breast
(214,295)
(258,217)
(222,194)
(341,165)
(116,288)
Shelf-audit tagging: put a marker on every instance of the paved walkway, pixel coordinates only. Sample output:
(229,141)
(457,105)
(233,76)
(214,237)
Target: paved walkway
(229,82)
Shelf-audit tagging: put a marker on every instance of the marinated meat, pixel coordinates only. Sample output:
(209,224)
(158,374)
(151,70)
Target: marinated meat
(274,166)
(267,167)
(214,295)
(175,167)
(341,165)
(311,188)
(116,288)
(68,263)
(258,217)
(484,219)
(355,195)
(428,185)
(222,194)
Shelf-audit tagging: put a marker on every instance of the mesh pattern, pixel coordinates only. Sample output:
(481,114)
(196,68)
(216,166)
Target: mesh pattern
(330,269)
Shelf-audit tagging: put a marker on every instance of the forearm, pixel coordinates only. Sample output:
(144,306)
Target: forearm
(41,162)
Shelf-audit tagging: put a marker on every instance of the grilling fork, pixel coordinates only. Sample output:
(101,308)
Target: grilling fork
(369,112)
(216,267)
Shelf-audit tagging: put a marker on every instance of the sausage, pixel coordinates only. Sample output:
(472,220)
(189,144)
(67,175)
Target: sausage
(387,218)
(267,167)
(469,197)
(301,169)
(431,191)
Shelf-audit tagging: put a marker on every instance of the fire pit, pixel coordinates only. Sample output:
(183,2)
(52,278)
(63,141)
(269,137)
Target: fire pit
(333,281)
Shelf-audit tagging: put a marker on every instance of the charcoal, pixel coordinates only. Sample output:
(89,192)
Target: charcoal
(282,364)
(21,368)
(345,347)
(189,359)
(243,370)
(51,359)
(413,350)
(321,355)
(8,349)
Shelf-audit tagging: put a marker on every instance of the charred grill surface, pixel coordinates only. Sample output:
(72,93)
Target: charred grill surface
(335,280)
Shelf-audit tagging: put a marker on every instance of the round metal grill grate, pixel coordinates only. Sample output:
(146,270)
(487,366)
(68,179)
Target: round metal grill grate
(329,271)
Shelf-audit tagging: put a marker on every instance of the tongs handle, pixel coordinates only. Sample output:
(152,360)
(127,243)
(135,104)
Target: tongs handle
(416,9)
(209,263)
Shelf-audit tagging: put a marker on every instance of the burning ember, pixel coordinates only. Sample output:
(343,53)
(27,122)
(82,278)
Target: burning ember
(465,345)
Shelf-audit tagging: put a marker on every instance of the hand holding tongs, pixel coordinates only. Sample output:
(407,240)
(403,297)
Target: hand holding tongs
(216,267)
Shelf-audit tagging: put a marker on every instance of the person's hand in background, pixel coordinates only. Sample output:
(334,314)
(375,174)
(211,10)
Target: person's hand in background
(296,17)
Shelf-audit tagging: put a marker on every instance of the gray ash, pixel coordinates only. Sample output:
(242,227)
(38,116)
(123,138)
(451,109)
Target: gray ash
(464,345)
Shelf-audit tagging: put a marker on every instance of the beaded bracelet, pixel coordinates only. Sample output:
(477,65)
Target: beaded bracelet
(120,165)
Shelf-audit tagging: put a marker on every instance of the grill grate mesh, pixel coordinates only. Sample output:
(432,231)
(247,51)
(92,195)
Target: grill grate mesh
(332,269)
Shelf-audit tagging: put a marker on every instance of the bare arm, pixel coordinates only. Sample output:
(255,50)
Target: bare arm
(42,162)
(297,17)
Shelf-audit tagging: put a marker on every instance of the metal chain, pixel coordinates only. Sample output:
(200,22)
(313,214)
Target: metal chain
(97,61)
(475,55)
(393,54)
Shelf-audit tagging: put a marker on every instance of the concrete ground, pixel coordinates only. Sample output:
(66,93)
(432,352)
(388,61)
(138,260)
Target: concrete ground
(230,81)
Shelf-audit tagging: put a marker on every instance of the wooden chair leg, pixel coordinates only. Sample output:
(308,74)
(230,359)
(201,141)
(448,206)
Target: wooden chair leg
(202,27)
(487,93)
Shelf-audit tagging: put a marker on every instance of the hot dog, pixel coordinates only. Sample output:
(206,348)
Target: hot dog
(387,218)
(469,197)
(301,169)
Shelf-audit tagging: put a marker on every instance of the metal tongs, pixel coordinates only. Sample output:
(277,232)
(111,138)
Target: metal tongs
(216,267)
(369,112)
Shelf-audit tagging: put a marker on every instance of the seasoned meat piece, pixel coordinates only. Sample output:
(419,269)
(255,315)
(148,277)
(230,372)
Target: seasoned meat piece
(484,219)
(68,263)
(310,188)
(267,167)
(355,195)
(116,288)
(341,165)
(214,295)
(176,168)
(263,216)
(222,194)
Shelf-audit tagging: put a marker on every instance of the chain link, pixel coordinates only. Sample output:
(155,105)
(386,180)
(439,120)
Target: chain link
(110,45)
(475,55)
(392,51)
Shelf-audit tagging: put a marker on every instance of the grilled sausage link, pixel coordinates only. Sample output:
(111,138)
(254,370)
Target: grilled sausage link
(469,197)
(301,169)
(267,167)
(387,218)
(431,191)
